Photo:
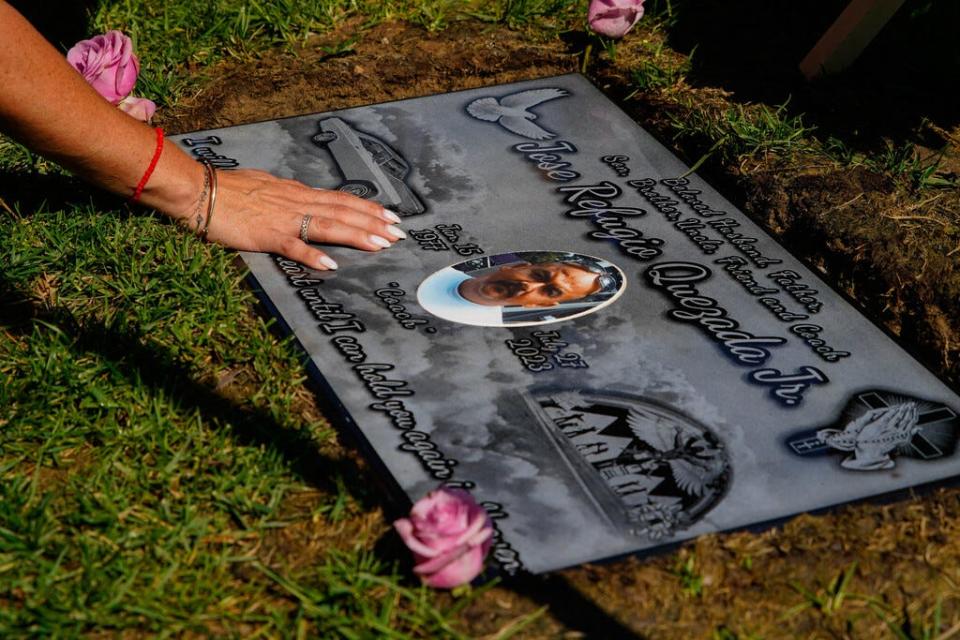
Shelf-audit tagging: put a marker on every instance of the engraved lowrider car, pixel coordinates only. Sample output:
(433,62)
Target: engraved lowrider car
(370,168)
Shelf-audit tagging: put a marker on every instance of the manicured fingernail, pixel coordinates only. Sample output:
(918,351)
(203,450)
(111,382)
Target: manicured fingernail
(328,262)
(380,242)
(391,216)
(397,232)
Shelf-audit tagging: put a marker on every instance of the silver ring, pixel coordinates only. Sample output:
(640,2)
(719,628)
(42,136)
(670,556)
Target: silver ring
(304,225)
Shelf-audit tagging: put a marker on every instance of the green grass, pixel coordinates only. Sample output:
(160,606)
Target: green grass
(691,582)
(173,35)
(741,131)
(925,624)
(903,162)
(655,74)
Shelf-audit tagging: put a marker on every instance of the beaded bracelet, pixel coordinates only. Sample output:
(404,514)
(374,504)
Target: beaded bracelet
(153,165)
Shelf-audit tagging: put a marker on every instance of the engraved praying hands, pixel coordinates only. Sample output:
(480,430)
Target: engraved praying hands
(874,436)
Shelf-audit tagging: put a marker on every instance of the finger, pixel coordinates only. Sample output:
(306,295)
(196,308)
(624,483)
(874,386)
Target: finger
(333,231)
(348,201)
(299,192)
(308,195)
(295,249)
(332,199)
(343,198)
(352,217)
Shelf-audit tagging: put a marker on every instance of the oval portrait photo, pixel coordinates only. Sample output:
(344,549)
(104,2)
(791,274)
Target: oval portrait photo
(521,289)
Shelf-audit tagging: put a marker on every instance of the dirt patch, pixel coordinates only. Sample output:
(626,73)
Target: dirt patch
(56,473)
(895,255)
(894,250)
(312,535)
(390,62)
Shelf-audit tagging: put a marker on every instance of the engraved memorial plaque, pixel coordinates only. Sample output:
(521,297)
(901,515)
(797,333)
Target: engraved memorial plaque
(602,349)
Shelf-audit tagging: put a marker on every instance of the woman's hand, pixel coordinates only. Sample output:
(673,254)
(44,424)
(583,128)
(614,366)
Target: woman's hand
(256,211)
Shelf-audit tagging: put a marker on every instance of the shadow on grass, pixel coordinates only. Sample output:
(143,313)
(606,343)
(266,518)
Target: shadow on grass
(753,49)
(577,612)
(62,22)
(133,355)
(21,194)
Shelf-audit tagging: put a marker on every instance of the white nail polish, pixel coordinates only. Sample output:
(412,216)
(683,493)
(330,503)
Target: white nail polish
(328,262)
(397,232)
(380,242)
(391,216)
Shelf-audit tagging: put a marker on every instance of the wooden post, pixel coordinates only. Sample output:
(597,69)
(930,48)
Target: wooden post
(848,36)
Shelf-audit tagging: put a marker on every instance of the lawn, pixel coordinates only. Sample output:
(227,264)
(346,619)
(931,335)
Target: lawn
(168,471)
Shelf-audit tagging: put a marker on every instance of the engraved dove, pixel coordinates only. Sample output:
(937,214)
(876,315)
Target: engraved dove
(874,435)
(513,113)
(658,434)
(694,463)
(694,475)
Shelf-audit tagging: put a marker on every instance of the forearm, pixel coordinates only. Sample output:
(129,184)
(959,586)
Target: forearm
(48,106)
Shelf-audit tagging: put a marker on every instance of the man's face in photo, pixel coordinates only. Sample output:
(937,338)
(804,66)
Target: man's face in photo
(531,285)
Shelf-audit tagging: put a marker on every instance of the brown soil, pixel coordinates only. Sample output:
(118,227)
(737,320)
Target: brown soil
(390,62)
(894,251)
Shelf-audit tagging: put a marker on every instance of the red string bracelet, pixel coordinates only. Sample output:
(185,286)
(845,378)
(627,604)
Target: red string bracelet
(149,171)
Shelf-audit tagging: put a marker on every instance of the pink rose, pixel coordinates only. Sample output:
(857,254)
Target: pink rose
(139,108)
(614,18)
(449,535)
(107,63)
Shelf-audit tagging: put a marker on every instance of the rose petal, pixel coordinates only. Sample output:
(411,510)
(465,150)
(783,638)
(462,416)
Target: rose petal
(614,18)
(406,530)
(126,77)
(432,565)
(140,108)
(441,515)
(478,523)
(107,62)
(460,571)
(442,501)
(482,537)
